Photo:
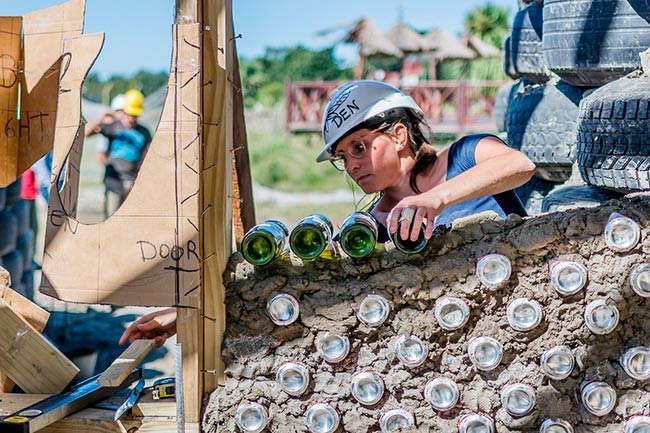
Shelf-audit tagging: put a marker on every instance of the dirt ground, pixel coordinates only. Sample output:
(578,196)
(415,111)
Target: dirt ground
(330,290)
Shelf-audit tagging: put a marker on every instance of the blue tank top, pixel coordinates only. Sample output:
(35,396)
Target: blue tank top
(460,159)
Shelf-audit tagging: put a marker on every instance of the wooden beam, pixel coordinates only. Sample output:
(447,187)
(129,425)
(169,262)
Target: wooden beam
(155,420)
(216,181)
(243,206)
(29,359)
(28,311)
(119,369)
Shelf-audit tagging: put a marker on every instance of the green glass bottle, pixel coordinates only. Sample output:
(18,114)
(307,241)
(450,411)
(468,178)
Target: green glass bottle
(407,245)
(311,236)
(358,234)
(264,242)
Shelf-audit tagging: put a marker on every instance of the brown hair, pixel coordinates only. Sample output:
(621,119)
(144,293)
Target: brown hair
(421,149)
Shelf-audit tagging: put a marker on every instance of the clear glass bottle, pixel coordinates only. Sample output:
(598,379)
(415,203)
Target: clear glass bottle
(636,362)
(264,242)
(251,417)
(367,387)
(442,394)
(621,233)
(451,313)
(568,278)
(493,269)
(640,280)
(555,426)
(485,353)
(333,348)
(557,362)
(475,423)
(600,317)
(523,314)
(293,378)
(411,351)
(322,418)
(358,234)
(395,419)
(598,397)
(637,424)
(518,399)
(283,309)
(373,310)
(310,236)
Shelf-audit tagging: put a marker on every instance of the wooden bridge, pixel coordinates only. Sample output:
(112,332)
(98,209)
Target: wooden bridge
(452,107)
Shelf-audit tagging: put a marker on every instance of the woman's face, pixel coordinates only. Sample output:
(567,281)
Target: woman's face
(371,159)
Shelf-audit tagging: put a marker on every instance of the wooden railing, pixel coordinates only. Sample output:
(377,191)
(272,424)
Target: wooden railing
(451,107)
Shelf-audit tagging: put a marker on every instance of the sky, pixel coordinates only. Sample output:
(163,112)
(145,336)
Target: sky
(138,32)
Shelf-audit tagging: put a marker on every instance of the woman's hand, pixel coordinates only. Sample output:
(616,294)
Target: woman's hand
(414,211)
(158,326)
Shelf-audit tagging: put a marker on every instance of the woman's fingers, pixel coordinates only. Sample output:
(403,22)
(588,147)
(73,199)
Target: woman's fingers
(418,220)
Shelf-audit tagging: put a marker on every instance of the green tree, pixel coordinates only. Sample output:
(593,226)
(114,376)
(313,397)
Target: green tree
(489,22)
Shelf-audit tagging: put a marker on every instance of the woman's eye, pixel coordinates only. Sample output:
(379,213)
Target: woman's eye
(358,148)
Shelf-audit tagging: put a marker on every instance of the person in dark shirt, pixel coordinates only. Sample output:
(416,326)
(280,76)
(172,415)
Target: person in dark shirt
(376,134)
(127,144)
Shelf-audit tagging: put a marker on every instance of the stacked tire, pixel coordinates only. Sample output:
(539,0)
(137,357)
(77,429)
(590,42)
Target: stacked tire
(581,98)
(16,239)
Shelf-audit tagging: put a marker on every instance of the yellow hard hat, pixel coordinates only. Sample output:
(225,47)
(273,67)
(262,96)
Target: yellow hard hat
(133,102)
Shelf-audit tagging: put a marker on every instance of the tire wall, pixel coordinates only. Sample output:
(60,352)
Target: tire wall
(542,123)
(16,239)
(614,135)
(330,290)
(592,42)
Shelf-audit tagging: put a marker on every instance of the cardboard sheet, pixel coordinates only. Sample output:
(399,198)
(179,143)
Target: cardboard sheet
(147,252)
(32,73)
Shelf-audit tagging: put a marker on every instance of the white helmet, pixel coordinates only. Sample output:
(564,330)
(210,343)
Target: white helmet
(353,103)
(118,102)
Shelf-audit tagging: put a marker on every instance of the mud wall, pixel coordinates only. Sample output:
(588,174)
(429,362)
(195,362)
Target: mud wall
(329,291)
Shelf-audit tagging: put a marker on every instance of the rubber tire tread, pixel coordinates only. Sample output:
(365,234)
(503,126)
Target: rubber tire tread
(614,136)
(21,210)
(526,44)
(593,42)
(8,232)
(13,193)
(501,101)
(13,262)
(542,122)
(25,244)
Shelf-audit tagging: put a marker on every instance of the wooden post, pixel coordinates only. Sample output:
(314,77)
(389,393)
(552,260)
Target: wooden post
(216,185)
(188,318)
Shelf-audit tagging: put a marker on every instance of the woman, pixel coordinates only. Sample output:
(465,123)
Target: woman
(375,133)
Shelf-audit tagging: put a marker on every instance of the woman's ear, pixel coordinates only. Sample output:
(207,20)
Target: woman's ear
(400,132)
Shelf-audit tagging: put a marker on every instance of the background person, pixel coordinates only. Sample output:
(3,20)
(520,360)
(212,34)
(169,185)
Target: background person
(127,144)
(376,134)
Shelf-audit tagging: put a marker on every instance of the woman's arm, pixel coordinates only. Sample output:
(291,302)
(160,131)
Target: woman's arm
(498,168)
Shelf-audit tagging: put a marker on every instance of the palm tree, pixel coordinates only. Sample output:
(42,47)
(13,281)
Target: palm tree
(490,22)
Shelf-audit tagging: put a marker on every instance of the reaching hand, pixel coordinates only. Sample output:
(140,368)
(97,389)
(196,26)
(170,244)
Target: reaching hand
(412,212)
(158,326)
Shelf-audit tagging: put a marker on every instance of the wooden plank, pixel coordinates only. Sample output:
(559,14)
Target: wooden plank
(187,324)
(243,206)
(101,420)
(119,369)
(216,240)
(26,309)
(29,359)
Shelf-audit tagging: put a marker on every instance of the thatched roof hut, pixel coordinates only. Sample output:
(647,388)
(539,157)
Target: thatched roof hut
(480,47)
(447,46)
(407,39)
(371,42)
